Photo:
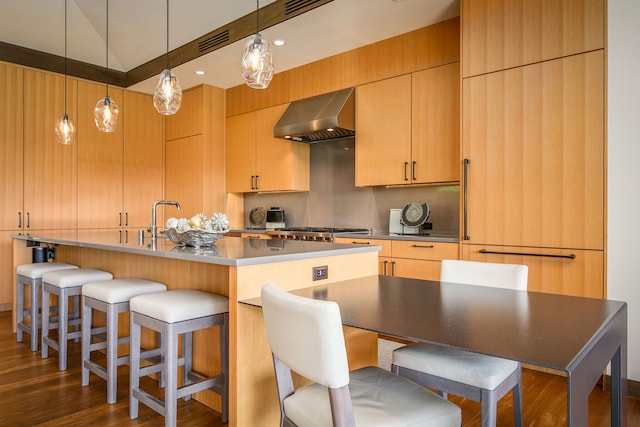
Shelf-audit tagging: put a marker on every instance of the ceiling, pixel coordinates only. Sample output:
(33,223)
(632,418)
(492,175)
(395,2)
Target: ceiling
(137,31)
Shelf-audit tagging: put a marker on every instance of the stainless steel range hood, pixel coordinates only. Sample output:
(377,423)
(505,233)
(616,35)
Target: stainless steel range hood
(319,118)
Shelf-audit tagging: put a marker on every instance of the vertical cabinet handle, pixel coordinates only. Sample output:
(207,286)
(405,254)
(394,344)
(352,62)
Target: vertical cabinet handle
(465,183)
(413,171)
(119,236)
(119,219)
(393,268)
(126,219)
(406,178)
(384,267)
(253,186)
(257,184)
(28,220)
(19,219)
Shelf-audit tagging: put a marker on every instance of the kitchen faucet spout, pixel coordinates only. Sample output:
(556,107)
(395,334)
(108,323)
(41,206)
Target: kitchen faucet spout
(153,229)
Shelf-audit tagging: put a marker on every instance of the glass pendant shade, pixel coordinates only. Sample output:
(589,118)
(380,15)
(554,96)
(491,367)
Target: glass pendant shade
(167,96)
(257,63)
(105,114)
(65,130)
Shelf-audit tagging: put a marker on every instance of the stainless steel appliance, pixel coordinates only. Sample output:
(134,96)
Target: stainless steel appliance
(318,234)
(275,218)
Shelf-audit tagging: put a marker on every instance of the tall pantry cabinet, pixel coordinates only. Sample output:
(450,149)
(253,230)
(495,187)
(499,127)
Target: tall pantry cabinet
(533,140)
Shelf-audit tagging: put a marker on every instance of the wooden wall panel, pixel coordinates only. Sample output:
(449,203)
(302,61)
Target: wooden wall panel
(501,34)
(427,47)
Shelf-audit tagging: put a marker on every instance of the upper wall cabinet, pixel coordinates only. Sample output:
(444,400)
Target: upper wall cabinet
(51,183)
(502,34)
(407,129)
(257,162)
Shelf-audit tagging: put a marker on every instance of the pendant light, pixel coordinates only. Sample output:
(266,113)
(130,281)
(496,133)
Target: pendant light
(257,61)
(167,96)
(65,129)
(105,113)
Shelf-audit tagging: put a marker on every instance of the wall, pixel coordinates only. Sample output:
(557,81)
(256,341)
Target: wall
(623,171)
(334,201)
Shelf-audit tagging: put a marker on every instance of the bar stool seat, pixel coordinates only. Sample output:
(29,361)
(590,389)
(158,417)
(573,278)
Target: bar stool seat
(65,284)
(111,297)
(174,313)
(31,275)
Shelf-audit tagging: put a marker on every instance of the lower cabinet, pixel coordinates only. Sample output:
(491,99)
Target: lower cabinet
(557,271)
(409,258)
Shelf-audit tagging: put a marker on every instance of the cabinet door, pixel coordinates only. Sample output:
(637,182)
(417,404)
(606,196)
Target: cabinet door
(383,132)
(188,121)
(51,172)
(497,35)
(241,153)
(142,168)
(435,123)
(550,270)
(534,136)
(416,268)
(99,161)
(183,175)
(281,165)
(11,162)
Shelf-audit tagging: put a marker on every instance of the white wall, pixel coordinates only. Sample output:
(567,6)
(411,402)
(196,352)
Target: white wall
(624,167)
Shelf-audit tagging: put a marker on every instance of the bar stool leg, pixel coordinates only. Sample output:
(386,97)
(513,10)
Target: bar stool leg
(87,320)
(19,308)
(45,322)
(171,376)
(187,345)
(63,329)
(34,315)
(224,366)
(112,353)
(134,367)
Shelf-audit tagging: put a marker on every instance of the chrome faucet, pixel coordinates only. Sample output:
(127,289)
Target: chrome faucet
(153,229)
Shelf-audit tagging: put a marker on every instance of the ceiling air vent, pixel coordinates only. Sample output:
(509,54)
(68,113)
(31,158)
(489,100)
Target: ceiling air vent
(212,42)
(293,6)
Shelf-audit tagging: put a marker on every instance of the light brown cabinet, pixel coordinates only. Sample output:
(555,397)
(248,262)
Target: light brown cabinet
(561,271)
(51,169)
(11,173)
(511,33)
(409,258)
(100,180)
(194,153)
(408,128)
(534,137)
(259,162)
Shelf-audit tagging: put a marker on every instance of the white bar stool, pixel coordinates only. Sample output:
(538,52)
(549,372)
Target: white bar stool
(31,275)
(111,297)
(64,284)
(173,313)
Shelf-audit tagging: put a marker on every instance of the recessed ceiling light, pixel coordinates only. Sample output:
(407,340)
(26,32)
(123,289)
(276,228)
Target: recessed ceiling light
(278,42)
(199,72)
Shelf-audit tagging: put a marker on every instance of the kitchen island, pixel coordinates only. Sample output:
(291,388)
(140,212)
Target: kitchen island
(233,267)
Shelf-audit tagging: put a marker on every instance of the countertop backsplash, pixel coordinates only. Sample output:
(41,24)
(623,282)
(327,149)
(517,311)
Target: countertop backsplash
(335,201)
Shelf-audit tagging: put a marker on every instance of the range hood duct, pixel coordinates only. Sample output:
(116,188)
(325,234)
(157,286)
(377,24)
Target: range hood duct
(319,118)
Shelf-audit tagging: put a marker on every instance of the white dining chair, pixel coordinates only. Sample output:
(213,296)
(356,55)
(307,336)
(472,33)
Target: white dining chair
(481,378)
(306,337)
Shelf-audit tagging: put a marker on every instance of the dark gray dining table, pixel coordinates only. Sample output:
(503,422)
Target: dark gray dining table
(579,336)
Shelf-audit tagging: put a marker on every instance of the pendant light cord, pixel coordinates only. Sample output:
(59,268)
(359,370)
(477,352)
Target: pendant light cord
(257,16)
(65,57)
(106,80)
(167,34)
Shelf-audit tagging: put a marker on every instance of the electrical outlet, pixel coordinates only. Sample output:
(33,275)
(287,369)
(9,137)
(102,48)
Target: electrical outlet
(320,273)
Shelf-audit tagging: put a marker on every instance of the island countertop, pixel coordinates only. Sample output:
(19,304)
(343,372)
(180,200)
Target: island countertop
(229,251)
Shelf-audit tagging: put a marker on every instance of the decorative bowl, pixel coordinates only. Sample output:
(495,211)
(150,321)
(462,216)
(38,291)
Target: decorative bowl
(196,237)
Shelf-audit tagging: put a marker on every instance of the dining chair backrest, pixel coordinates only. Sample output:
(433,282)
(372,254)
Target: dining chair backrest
(511,276)
(306,335)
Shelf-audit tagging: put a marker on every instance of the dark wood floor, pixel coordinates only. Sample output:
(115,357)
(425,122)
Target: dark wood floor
(34,393)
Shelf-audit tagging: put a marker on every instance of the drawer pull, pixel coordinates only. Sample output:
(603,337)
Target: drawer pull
(484,251)
(423,246)
(360,243)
